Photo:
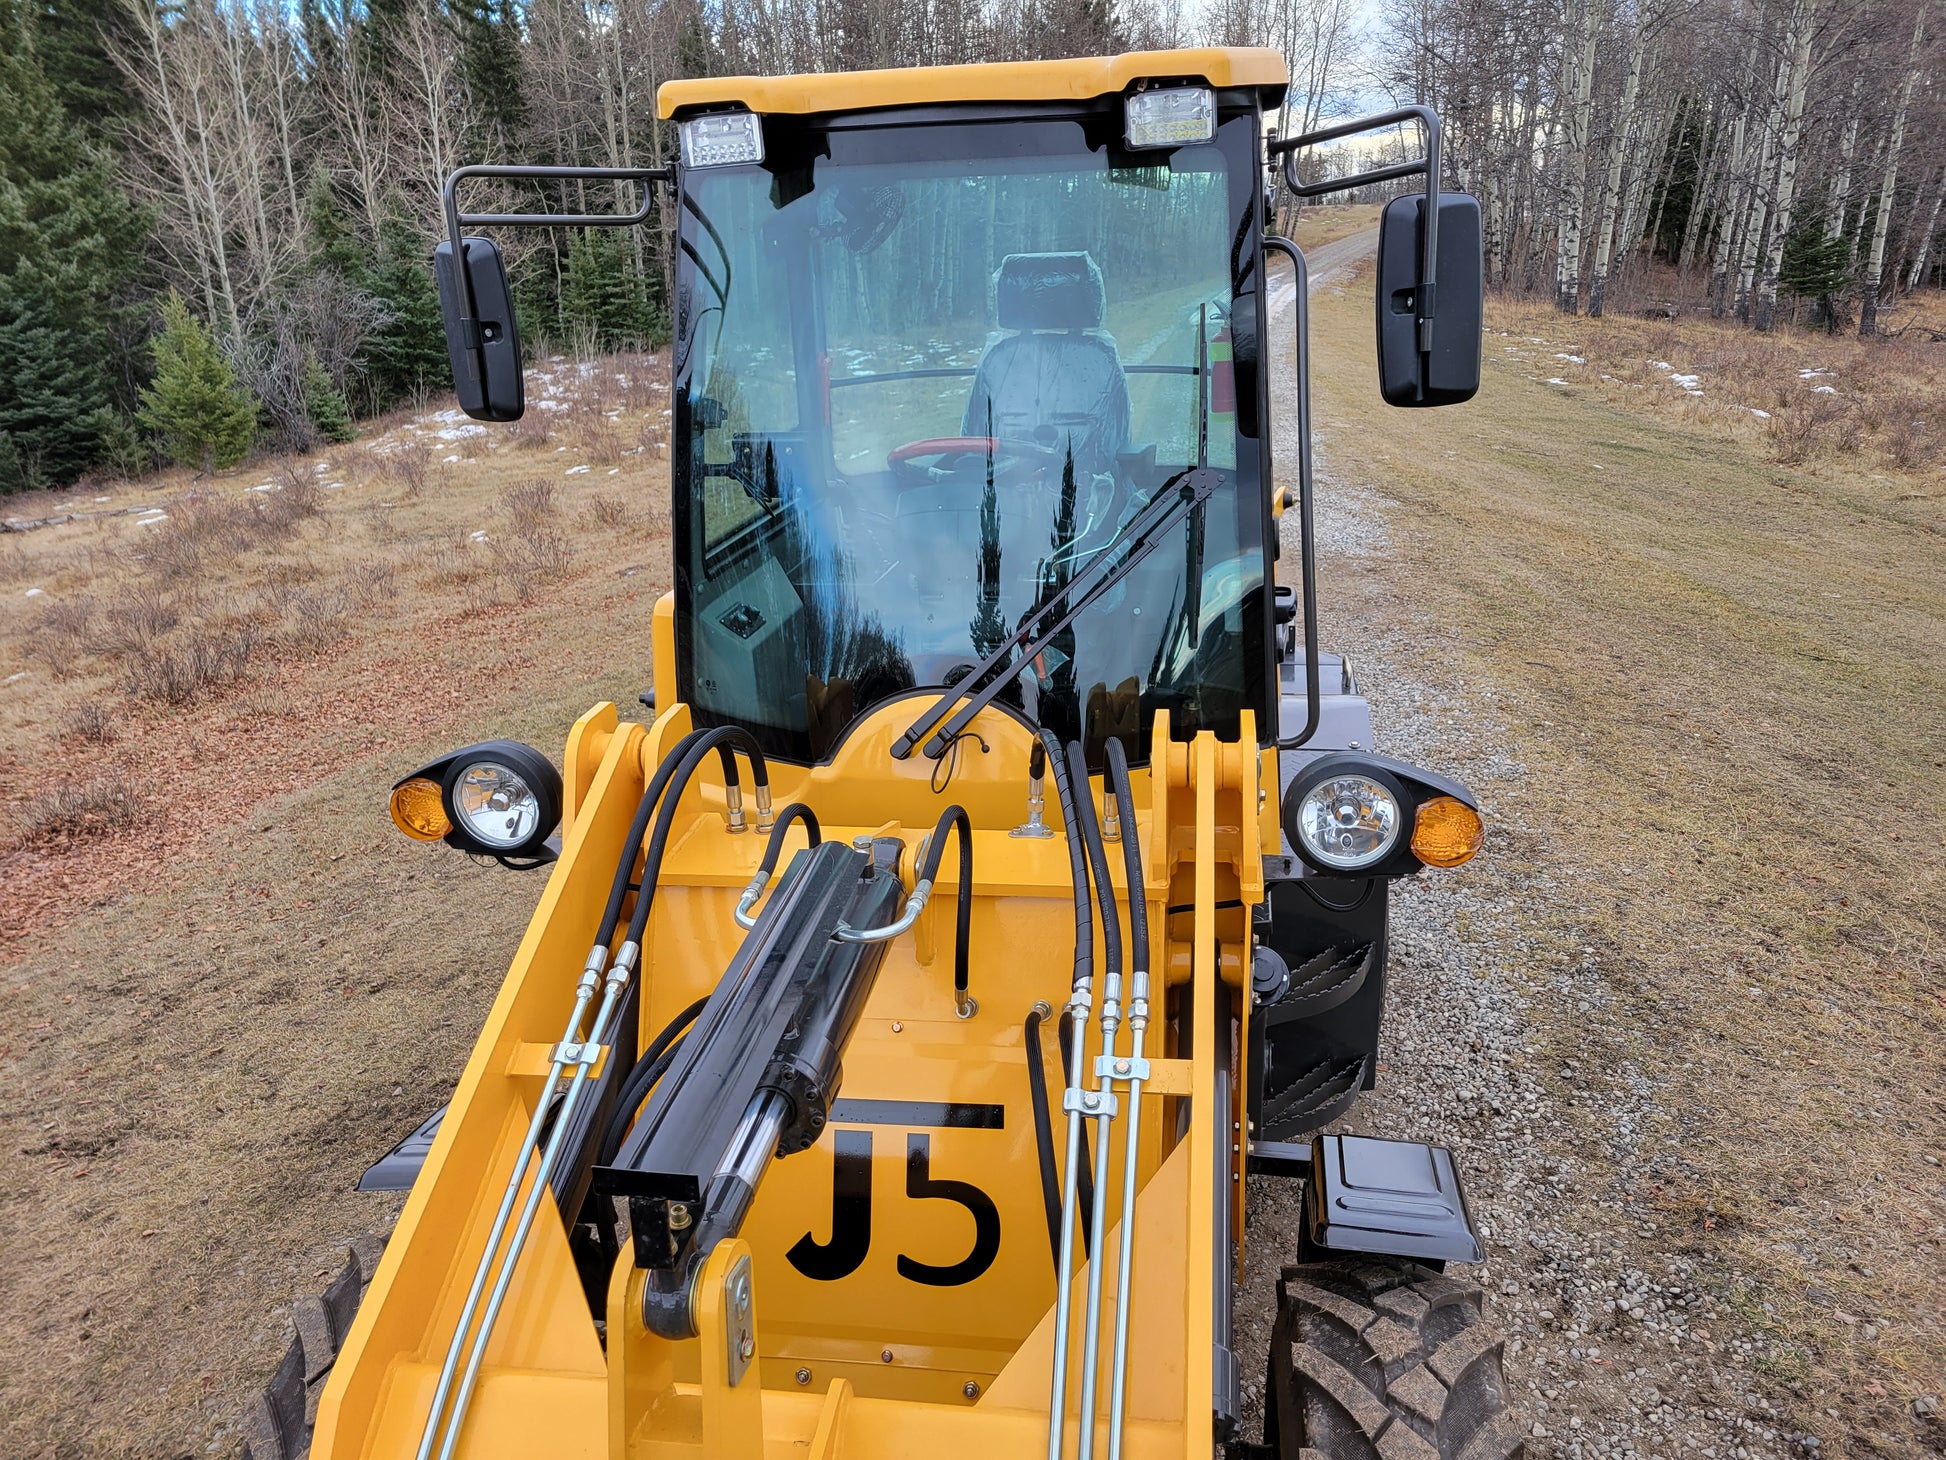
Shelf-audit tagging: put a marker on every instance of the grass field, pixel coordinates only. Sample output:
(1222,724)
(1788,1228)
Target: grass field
(226,984)
(1726,679)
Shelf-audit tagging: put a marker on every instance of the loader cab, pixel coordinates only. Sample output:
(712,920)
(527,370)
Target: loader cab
(929,362)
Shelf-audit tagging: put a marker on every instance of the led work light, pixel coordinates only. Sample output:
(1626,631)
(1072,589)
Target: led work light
(722,138)
(1171,118)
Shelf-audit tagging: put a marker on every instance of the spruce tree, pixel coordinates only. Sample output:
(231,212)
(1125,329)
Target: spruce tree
(602,299)
(324,404)
(69,242)
(203,417)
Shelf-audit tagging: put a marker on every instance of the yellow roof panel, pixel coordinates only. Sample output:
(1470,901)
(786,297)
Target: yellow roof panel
(1076,80)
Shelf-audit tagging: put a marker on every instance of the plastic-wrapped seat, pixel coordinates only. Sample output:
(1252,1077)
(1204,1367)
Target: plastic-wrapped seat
(1055,379)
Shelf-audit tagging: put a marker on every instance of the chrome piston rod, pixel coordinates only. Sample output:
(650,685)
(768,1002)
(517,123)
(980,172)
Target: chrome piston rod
(1100,1104)
(1071,1101)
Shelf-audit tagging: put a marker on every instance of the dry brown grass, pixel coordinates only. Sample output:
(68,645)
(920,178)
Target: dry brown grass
(1802,396)
(1322,223)
(1717,677)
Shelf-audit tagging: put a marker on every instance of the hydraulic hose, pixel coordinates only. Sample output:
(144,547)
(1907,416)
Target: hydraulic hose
(1138,1023)
(1111,920)
(723,736)
(1138,905)
(1044,1129)
(1079,1002)
(797,811)
(954,817)
(648,1069)
(1100,1102)
(625,869)
(1084,927)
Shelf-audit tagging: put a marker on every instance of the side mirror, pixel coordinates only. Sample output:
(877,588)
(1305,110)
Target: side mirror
(1443,367)
(482,340)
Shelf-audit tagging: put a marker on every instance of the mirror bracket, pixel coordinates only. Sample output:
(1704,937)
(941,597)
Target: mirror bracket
(1287,149)
(471,336)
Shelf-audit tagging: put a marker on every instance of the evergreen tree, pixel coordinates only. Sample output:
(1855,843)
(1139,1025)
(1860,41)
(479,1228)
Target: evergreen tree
(72,38)
(406,355)
(202,415)
(69,242)
(489,61)
(325,404)
(602,298)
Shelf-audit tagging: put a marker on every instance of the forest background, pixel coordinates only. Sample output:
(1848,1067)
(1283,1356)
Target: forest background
(216,216)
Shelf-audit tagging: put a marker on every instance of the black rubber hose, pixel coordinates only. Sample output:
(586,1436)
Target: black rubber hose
(1084,923)
(796,811)
(632,847)
(723,735)
(954,816)
(1111,919)
(1084,1180)
(1044,1134)
(648,1069)
(1138,901)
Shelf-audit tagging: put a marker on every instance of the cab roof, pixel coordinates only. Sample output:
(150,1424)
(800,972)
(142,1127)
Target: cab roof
(1081,79)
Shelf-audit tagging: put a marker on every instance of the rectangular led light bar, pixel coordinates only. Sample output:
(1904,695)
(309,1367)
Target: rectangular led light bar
(1171,117)
(719,139)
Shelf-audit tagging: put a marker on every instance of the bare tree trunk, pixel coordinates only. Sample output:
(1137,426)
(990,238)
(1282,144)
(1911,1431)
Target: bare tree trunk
(1804,17)
(1611,192)
(1882,225)
(1918,274)
(1574,148)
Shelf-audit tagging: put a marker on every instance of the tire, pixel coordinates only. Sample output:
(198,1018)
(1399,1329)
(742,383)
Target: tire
(1380,1359)
(277,1423)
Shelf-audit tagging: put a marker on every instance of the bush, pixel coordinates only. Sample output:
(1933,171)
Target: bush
(195,406)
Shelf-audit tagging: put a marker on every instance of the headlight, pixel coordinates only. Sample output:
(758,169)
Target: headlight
(721,138)
(498,799)
(1170,117)
(1355,814)
(1350,822)
(495,804)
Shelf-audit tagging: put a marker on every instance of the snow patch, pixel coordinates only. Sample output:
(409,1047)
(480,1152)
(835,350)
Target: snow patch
(35,593)
(575,471)
(1760,415)
(12,677)
(1551,380)
(1824,390)
(476,537)
(1687,382)
(1572,359)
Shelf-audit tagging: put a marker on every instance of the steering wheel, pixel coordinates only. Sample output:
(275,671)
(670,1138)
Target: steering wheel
(900,458)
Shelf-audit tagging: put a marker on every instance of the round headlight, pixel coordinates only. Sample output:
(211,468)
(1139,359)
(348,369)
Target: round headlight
(1350,821)
(495,805)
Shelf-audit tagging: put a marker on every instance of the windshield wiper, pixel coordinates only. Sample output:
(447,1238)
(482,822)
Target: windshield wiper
(1168,507)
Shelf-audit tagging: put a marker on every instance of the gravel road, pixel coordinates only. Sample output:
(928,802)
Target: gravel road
(1617,1343)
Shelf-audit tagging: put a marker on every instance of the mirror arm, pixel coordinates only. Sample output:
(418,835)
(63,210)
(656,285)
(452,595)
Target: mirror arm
(456,221)
(1307,556)
(1424,296)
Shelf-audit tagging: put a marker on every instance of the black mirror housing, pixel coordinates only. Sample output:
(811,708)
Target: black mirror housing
(482,341)
(1449,371)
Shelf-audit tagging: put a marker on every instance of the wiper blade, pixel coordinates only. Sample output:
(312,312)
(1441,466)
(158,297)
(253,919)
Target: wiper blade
(1169,506)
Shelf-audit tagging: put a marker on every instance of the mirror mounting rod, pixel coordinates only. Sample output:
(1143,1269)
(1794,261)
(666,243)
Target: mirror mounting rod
(1427,165)
(456,221)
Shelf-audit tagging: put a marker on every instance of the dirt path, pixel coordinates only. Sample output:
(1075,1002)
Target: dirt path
(1655,1305)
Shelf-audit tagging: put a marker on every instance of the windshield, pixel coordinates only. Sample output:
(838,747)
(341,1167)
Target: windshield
(927,374)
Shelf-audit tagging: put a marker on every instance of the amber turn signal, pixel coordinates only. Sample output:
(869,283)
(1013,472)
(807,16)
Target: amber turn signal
(419,809)
(1446,832)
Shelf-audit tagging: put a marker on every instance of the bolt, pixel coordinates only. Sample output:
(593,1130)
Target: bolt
(678,1217)
(886,1357)
(803,1376)
(1091,1101)
(1121,1067)
(897,1028)
(970,1389)
(747,1347)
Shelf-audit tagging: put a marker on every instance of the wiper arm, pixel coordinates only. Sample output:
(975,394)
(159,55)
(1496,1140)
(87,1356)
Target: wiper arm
(1135,542)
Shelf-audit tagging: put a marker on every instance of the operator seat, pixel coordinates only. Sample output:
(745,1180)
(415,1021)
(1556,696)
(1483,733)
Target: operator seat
(1055,378)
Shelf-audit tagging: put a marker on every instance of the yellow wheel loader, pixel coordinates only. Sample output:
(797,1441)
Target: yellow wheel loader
(1000,872)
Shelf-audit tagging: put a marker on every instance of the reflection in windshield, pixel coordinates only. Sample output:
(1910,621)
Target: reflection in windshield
(922,396)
